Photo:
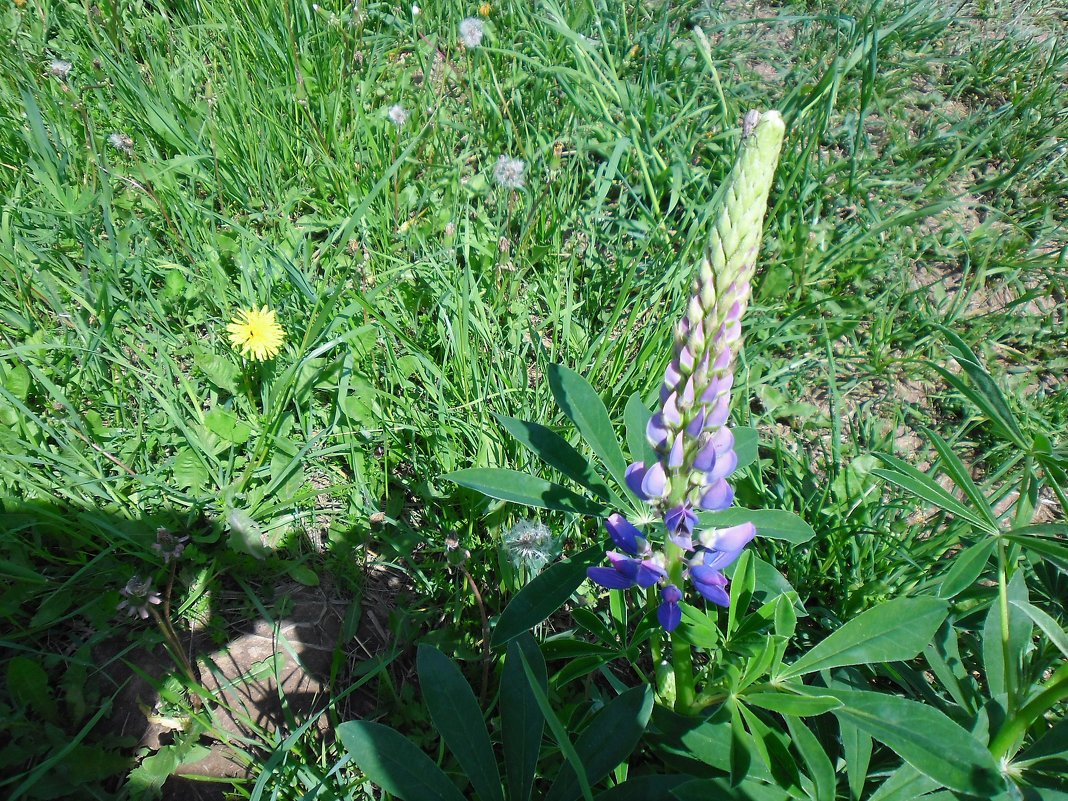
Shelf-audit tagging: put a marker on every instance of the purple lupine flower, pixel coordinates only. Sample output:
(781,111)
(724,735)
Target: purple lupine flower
(627,572)
(688,432)
(626,536)
(669,613)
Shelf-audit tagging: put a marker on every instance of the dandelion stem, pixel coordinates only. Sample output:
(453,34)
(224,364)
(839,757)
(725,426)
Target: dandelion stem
(485,634)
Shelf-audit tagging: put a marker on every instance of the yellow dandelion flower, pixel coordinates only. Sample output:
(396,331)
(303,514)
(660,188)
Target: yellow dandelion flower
(256,333)
(485,9)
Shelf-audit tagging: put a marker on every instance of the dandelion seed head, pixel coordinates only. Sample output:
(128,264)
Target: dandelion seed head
(530,544)
(398,115)
(58,68)
(256,333)
(508,172)
(471,31)
(416,11)
(122,142)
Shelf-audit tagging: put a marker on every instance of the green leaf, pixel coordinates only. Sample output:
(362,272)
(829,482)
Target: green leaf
(246,535)
(724,790)
(303,574)
(522,723)
(636,417)
(893,631)
(225,424)
(650,787)
(220,371)
(1049,626)
(554,450)
(607,741)
(188,470)
(16,380)
(511,485)
(1051,547)
(555,726)
(27,683)
(967,566)
(746,442)
(818,764)
(904,784)
(584,407)
(984,393)
(925,738)
(956,470)
(546,593)
(1019,636)
(796,705)
(926,488)
(776,524)
(458,719)
(391,761)
(856,749)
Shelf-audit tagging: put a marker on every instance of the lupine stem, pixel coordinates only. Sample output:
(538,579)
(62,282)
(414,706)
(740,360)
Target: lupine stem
(1009,659)
(1017,725)
(681,659)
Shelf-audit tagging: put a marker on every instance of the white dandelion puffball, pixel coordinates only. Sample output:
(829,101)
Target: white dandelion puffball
(471,30)
(508,172)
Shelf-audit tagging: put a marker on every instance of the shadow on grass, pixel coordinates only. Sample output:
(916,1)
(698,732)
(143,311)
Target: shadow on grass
(98,703)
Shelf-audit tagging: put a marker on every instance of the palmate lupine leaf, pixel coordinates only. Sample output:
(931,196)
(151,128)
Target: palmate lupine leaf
(584,407)
(522,723)
(458,719)
(925,738)
(392,762)
(545,593)
(555,451)
(895,630)
(511,485)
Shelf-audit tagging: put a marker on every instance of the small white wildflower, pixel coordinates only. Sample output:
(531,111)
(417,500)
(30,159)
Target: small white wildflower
(398,114)
(529,544)
(58,68)
(508,172)
(121,141)
(137,595)
(168,545)
(416,11)
(450,229)
(471,30)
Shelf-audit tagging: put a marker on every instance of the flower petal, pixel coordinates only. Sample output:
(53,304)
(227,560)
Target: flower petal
(634,476)
(717,497)
(720,560)
(725,464)
(733,538)
(710,583)
(649,573)
(609,578)
(624,534)
(669,613)
(655,482)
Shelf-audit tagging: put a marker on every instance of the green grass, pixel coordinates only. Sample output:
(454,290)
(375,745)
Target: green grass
(922,183)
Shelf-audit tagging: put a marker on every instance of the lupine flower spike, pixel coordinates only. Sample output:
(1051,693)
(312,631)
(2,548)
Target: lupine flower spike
(694,447)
